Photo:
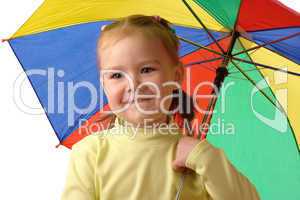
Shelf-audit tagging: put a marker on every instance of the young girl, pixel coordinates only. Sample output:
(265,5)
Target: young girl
(138,158)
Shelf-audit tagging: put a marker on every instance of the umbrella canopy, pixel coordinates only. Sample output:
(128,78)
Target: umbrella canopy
(257,41)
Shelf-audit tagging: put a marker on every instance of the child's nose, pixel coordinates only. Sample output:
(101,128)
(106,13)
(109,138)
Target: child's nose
(133,84)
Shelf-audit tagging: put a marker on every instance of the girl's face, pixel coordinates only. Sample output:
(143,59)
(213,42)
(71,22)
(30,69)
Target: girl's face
(133,73)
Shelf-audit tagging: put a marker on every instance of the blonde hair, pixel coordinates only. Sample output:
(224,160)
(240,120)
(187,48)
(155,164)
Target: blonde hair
(152,27)
(149,26)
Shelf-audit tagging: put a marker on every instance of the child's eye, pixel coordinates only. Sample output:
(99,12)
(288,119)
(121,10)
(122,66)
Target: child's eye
(147,69)
(115,76)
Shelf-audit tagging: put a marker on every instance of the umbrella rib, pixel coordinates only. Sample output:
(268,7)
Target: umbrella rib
(267,43)
(292,130)
(248,70)
(199,45)
(266,66)
(202,24)
(203,61)
(234,77)
(278,105)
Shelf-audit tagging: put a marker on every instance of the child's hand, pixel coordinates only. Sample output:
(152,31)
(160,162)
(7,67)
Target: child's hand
(184,147)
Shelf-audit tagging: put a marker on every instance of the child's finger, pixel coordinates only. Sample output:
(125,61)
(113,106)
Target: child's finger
(176,167)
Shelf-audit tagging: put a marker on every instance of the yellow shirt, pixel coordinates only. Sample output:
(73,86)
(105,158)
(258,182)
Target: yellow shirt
(136,164)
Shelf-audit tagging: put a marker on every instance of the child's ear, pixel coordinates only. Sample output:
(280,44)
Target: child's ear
(179,73)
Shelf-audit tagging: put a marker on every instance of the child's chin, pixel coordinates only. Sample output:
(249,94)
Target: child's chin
(145,111)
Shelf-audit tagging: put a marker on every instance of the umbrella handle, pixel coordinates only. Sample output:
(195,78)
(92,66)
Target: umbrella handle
(180,185)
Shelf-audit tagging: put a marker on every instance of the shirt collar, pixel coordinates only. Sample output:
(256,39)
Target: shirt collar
(150,133)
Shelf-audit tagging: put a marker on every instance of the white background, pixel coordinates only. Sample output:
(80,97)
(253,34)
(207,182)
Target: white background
(30,165)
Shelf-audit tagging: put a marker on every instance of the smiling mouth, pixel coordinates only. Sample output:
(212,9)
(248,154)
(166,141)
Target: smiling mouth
(140,100)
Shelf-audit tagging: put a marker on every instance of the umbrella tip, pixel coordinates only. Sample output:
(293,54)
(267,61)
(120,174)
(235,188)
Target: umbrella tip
(4,40)
(56,146)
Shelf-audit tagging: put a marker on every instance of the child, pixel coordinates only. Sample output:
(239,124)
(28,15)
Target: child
(138,158)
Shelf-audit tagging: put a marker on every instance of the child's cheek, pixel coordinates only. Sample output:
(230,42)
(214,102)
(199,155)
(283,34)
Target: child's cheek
(108,93)
(114,97)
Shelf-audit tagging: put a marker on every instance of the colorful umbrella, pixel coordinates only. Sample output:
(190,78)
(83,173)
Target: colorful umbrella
(257,42)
